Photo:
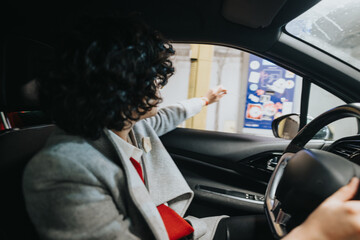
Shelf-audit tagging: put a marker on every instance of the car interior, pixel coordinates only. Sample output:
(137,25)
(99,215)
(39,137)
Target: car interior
(231,173)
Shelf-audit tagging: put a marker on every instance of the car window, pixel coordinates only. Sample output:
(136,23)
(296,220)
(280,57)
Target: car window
(332,26)
(320,101)
(258,90)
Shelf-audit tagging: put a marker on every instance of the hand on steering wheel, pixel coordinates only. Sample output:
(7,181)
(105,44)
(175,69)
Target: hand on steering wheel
(336,218)
(304,178)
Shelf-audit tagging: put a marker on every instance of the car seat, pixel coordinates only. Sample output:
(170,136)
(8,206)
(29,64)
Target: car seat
(20,64)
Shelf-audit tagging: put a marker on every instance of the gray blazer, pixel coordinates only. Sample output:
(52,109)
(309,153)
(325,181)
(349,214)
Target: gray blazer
(75,188)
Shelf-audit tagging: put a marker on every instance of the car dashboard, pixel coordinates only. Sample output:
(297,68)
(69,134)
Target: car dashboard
(348,148)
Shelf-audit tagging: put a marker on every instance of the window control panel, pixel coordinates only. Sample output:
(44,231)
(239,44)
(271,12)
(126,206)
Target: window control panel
(252,198)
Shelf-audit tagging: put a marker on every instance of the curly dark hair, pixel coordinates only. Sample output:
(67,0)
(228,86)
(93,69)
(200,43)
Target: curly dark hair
(108,74)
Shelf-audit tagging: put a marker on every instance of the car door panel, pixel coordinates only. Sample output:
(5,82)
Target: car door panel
(226,171)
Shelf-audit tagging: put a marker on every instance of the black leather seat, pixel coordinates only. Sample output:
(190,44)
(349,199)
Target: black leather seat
(22,61)
(17,147)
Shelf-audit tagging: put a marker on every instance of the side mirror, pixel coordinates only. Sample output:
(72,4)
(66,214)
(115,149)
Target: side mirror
(325,133)
(286,126)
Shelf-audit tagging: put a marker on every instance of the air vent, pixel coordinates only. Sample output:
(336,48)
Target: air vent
(349,150)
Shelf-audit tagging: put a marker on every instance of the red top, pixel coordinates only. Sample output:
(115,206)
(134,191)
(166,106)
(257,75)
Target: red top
(175,225)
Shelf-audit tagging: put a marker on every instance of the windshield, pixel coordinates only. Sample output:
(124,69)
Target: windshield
(333,26)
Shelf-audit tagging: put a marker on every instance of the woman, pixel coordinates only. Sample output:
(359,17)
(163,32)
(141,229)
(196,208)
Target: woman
(101,176)
(104,173)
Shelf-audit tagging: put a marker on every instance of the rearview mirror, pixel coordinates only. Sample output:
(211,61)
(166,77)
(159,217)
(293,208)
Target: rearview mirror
(286,126)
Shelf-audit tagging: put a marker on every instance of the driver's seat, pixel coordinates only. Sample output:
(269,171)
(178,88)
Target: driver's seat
(23,59)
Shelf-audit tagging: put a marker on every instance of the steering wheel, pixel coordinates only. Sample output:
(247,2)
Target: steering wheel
(304,178)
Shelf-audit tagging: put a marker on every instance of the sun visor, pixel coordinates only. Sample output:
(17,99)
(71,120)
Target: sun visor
(23,61)
(252,13)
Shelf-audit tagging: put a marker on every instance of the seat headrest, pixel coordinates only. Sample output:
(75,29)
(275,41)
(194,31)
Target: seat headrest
(23,61)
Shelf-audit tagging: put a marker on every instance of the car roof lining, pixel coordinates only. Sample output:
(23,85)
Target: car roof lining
(185,20)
